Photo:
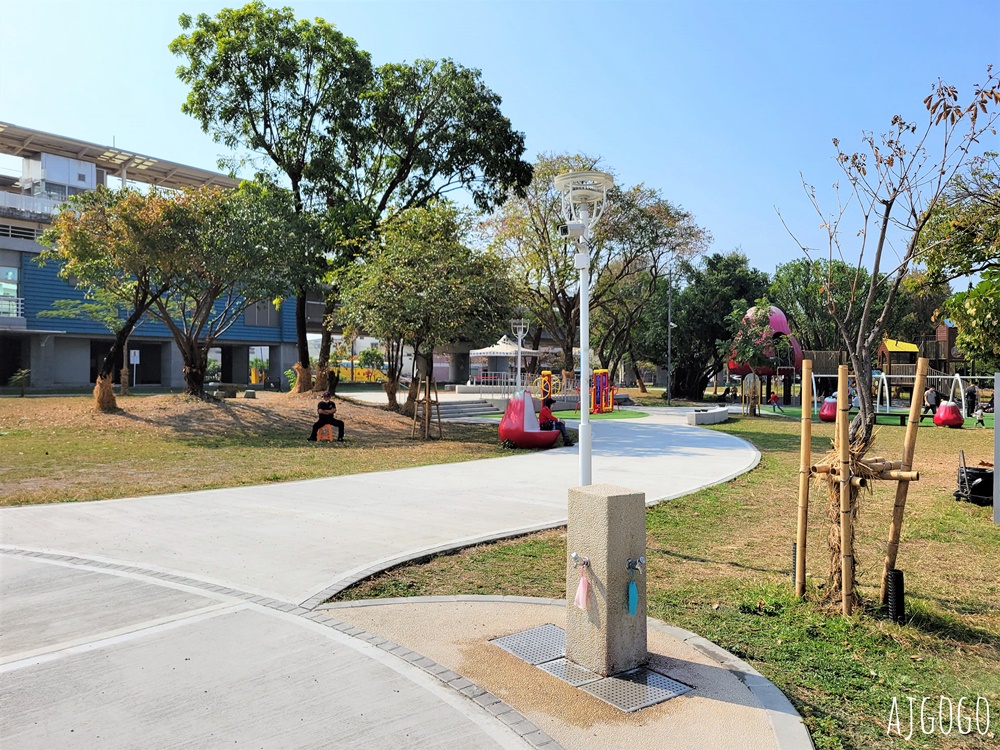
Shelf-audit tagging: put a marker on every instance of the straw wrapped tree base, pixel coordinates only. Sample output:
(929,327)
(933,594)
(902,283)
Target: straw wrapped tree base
(303,378)
(104,394)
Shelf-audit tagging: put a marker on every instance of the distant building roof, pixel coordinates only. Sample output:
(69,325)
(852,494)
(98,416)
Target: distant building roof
(893,345)
(18,141)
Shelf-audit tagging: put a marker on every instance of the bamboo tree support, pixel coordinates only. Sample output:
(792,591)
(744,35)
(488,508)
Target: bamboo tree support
(846,517)
(425,405)
(805,457)
(903,486)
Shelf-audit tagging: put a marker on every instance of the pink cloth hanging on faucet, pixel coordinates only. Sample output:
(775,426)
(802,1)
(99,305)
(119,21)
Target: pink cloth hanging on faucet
(583,590)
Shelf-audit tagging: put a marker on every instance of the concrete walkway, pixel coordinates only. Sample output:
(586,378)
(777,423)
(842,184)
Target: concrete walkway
(190,619)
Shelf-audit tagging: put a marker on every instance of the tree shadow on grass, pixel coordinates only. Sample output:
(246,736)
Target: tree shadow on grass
(727,563)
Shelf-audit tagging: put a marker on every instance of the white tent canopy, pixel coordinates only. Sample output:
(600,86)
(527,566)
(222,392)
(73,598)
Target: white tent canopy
(503,348)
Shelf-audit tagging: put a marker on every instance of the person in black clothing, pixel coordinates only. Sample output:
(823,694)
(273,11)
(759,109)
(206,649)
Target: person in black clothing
(326,410)
(971,398)
(931,400)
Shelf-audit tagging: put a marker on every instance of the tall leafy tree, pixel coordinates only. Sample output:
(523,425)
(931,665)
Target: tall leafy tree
(638,236)
(264,81)
(233,259)
(645,237)
(423,131)
(963,238)
(717,285)
(118,247)
(421,286)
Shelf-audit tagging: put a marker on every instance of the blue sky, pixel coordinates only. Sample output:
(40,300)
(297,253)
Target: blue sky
(719,104)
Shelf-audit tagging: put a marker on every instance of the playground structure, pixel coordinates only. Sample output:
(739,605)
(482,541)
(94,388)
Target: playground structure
(520,427)
(883,384)
(750,387)
(851,474)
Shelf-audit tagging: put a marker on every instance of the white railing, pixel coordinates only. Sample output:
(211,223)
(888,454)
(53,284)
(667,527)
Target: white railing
(495,383)
(29,203)
(11,307)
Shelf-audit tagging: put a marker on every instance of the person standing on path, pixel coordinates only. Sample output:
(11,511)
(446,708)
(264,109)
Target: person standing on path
(326,410)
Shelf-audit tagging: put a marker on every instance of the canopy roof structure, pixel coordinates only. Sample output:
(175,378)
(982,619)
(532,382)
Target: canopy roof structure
(19,141)
(503,348)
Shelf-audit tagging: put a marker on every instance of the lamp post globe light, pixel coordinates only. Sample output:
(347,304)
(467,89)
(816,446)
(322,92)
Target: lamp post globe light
(583,196)
(519,327)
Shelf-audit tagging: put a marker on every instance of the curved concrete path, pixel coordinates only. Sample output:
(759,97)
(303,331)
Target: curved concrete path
(188,619)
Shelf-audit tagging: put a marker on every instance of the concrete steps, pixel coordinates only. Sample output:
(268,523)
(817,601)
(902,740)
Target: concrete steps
(464,409)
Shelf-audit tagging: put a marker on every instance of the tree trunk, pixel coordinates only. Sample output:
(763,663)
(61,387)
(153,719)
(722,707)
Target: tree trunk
(104,394)
(123,378)
(423,366)
(303,380)
(333,380)
(391,386)
(323,360)
(195,365)
(638,378)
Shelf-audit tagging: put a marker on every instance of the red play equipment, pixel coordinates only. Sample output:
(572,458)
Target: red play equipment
(520,425)
(948,415)
(828,411)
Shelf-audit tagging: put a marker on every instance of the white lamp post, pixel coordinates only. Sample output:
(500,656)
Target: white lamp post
(519,327)
(583,196)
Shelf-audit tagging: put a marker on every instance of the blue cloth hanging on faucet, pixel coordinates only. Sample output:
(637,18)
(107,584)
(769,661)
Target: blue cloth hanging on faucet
(633,597)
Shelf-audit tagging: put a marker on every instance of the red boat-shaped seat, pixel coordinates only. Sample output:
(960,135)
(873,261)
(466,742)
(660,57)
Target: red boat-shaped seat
(520,425)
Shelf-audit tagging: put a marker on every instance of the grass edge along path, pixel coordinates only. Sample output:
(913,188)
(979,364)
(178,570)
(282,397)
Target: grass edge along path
(719,565)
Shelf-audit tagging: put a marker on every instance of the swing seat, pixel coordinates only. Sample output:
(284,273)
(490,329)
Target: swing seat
(325,433)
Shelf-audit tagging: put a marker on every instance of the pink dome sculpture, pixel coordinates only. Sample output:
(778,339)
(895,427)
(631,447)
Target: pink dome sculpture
(778,324)
(948,415)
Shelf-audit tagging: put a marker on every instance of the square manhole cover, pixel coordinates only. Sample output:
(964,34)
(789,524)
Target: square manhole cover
(569,672)
(638,688)
(541,644)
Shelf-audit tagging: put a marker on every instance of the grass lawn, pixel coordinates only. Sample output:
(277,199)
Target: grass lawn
(970,423)
(719,564)
(56,449)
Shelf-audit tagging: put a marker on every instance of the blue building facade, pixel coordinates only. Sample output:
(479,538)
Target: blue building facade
(68,352)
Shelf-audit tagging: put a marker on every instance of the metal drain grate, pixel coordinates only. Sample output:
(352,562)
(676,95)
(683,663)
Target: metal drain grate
(639,688)
(569,672)
(541,644)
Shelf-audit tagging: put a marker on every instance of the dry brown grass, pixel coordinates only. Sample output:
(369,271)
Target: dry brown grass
(57,449)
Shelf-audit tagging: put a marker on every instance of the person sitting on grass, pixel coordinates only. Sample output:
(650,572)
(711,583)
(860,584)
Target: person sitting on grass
(773,401)
(548,422)
(326,410)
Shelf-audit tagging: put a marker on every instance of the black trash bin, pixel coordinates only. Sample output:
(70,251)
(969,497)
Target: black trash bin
(975,483)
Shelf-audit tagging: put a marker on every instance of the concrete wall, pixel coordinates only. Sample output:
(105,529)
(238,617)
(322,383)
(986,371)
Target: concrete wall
(71,361)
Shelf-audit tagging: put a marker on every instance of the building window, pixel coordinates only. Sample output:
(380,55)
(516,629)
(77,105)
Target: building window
(8,281)
(262,314)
